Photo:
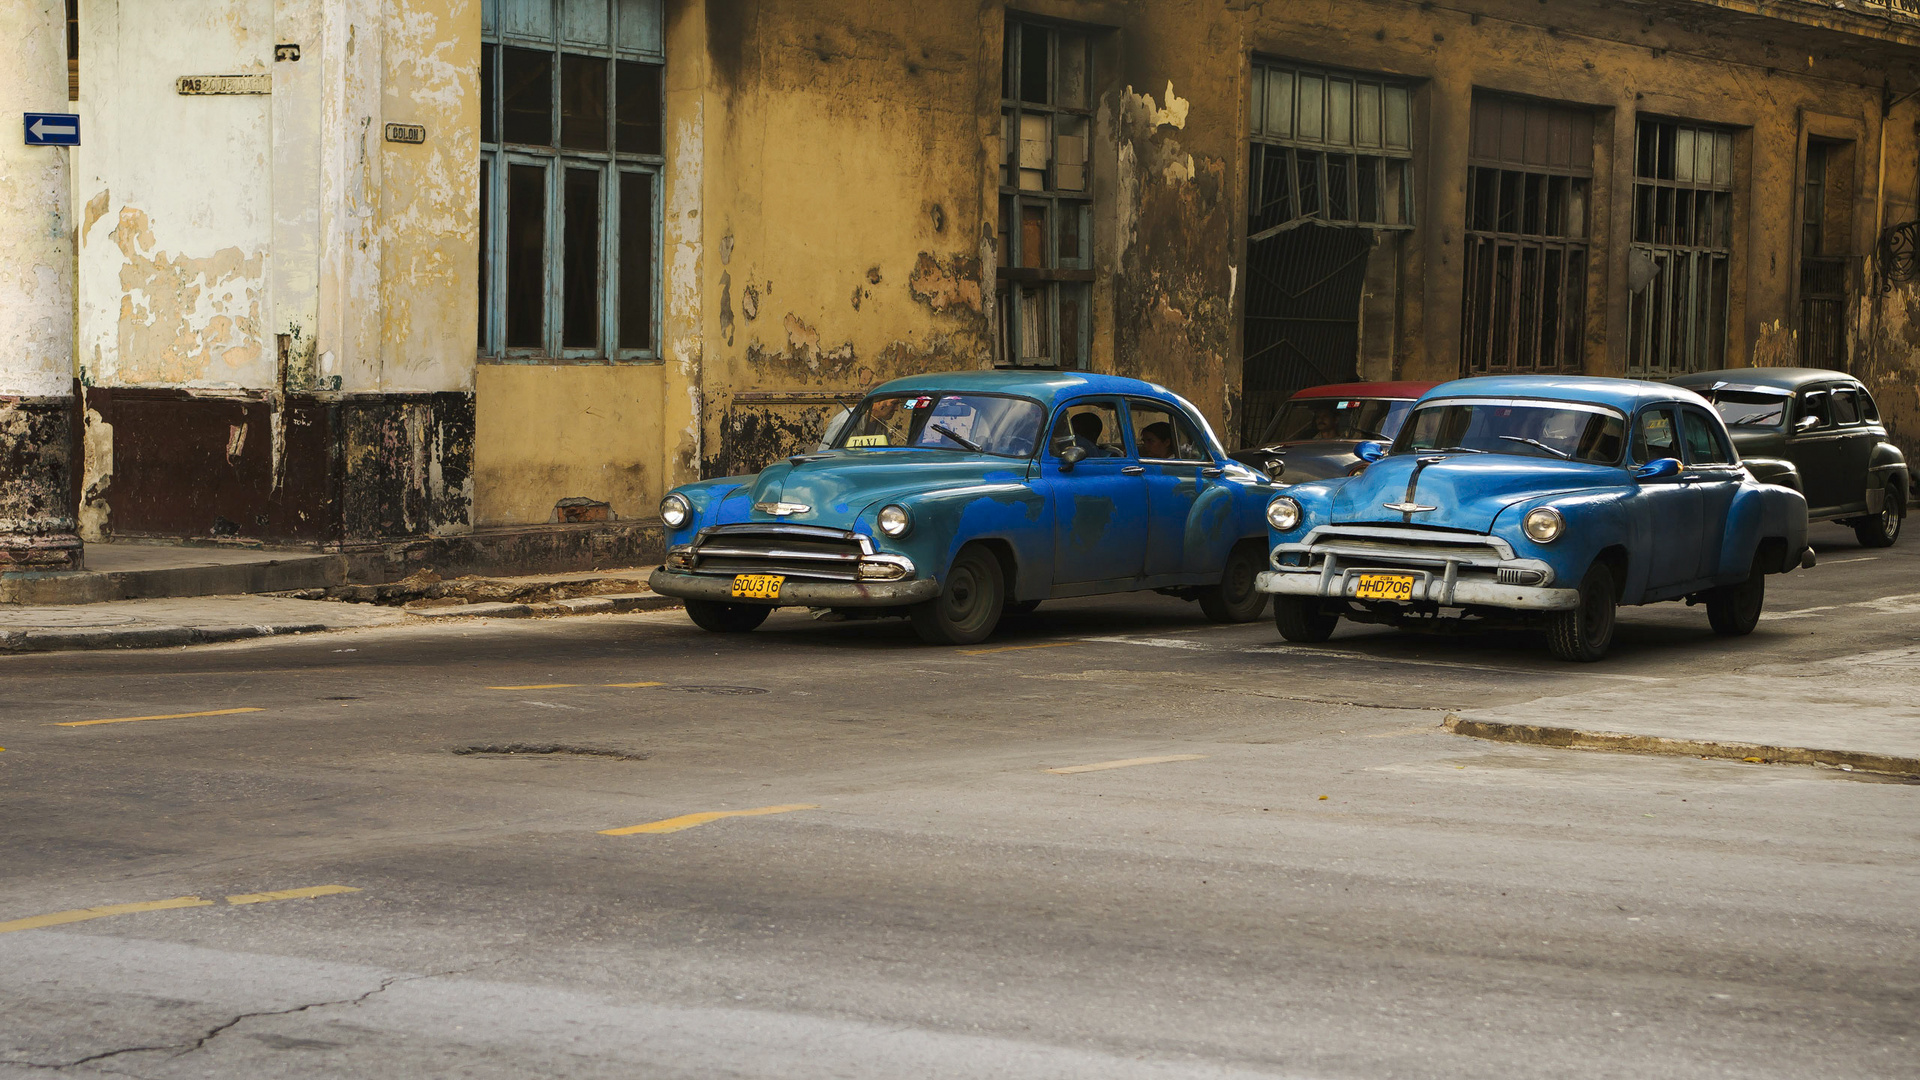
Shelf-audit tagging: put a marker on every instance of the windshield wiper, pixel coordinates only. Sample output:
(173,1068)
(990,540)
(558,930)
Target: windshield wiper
(1450,450)
(1554,450)
(1754,418)
(949,433)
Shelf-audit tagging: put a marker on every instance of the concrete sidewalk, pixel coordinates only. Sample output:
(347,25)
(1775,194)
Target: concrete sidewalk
(1859,713)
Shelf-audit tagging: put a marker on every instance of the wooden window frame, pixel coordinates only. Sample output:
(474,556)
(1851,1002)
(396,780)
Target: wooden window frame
(1692,272)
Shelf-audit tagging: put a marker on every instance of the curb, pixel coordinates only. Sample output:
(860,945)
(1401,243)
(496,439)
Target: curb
(142,637)
(611,604)
(1575,739)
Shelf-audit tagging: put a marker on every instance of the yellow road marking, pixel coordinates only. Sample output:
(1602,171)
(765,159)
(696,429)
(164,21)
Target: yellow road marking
(83,914)
(537,686)
(1016,648)
(1125,763)
(290,894)
(166,716)
(632,684)
(688,821)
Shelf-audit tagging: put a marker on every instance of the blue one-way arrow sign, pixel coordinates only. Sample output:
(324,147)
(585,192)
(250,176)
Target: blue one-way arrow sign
(53,129)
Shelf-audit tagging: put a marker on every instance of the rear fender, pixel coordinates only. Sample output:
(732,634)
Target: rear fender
(1761,513)
(1774,471)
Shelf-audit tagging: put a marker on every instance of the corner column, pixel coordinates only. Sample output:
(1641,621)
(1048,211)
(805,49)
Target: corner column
(36,300)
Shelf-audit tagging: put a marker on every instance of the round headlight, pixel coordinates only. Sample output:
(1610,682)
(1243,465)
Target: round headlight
(675,510)
(1543,524)
(895,521)
(1283,513)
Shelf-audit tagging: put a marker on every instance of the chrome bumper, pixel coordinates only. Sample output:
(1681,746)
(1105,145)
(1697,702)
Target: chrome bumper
(798,593)
(1462,593)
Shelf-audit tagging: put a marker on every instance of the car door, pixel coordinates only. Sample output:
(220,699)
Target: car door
(1673,506)
(1711,471)
(1814,446)
(1100,504)
(1857,439)
(1180,470)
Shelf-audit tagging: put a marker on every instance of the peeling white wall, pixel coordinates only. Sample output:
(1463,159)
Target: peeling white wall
(36,277)
(178,209)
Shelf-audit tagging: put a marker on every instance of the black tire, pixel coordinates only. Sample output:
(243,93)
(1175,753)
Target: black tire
(1020,607)
(1883,528)
(1585,633)
(969,605)
(1734,610)
(1303,619)
(727,618)
(1236,599)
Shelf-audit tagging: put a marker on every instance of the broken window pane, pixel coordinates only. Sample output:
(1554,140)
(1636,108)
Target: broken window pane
(583,102)
(526,256)
(1036,329)
(636,260)
(1071,86)
(580,284)
(1070,153)
(1033,234)
(637,108)
(1033,65)
(528,97)
(1070,248)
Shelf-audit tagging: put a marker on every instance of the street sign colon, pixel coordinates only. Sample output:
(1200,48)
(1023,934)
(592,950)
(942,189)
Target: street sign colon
(52,129)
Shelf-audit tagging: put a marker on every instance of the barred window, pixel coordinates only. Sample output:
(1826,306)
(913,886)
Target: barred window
(1328,147)
(1043,297)
(570,162)
(1529,187)
(1683,228)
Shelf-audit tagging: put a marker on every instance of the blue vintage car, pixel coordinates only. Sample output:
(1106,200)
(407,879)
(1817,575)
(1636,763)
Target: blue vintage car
(1536,499)
(951,498)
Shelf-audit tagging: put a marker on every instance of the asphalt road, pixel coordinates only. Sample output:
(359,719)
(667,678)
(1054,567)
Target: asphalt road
(1318,881)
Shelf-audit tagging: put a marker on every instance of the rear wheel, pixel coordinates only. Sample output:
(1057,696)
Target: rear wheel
(969,606)
(727,618)
(1236,599)
(1301,618)
(1883,528)
(1734,610)
(1586,632)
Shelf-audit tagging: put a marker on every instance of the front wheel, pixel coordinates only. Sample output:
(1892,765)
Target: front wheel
(727,618)
(1883,528)
(968,607)
(1236,599)
(1586,632)
(1303,619)
(1734,610)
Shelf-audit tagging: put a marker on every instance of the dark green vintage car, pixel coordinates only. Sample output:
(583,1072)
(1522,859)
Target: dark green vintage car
(1817,432)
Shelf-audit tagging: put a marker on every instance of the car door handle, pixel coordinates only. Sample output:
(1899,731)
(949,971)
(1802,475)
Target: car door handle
(1133,470)
(1213,471)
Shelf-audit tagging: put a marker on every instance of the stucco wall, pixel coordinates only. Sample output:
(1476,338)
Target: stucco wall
(542,434)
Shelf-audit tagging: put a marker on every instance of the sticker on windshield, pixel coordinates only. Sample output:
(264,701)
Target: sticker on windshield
(867,440)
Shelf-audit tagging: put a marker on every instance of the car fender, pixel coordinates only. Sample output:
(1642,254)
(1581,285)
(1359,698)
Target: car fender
(1887,462)
(1768,470)
(946,520)
(1596,521)
(720,501)
(1759,512)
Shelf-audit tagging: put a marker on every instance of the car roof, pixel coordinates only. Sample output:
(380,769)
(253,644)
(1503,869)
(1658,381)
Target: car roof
(1407,390)
(1783,378)
(1046,385)
(1624,394)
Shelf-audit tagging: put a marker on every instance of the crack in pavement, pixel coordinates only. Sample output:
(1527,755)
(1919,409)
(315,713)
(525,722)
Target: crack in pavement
(185,1048)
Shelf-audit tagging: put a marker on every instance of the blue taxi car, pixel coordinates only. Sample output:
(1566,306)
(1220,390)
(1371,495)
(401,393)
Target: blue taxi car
(1541,500)
(952,498)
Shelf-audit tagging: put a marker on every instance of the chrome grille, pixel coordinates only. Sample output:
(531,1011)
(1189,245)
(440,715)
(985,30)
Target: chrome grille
(1403,544)
(806,551)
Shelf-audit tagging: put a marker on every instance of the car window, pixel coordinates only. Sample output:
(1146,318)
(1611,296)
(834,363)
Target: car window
(1564,430)
(1750,408)
(1338,418)
(1705,445)
(979,423)
(1815,405)
(1846,407)
(1868,410)
(1655,436)
(1093,426)
(1160,433)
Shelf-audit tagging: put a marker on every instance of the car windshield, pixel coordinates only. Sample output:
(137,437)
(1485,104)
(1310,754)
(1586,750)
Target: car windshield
(1562,430)
(1749,408)
(980,423)
(1338,418)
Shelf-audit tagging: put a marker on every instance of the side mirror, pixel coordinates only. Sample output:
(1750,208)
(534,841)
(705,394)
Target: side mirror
(1071,456)
(1370,451)
(1274,469)
(1806,422)
(1657,470)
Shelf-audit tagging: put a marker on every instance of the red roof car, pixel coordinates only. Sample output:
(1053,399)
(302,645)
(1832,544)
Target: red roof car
(1312,437)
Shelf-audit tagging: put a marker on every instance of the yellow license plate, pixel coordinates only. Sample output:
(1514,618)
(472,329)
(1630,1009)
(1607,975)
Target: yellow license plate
(1383,587)
(757,586)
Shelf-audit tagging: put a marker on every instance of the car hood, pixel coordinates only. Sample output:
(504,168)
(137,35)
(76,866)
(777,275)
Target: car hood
(1466,491)
(836,485)
(1307,459)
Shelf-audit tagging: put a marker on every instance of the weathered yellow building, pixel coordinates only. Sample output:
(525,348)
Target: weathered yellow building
(352,271)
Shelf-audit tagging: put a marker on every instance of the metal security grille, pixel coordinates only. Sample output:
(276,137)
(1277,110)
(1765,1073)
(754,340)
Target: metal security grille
(1303,317)
(1823,305)
(1683,228)
(1529,186)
